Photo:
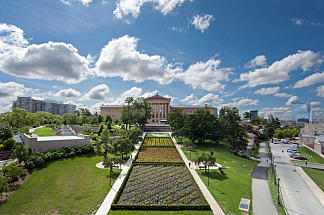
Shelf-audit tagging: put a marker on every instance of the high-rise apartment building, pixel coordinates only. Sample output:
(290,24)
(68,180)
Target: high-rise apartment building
(301,112)
(50,106)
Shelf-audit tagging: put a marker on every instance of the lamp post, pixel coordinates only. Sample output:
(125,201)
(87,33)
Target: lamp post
(274,175)
(278,200)
(208,175)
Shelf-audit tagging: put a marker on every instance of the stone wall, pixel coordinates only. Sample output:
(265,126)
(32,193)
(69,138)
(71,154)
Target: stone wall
(41,146)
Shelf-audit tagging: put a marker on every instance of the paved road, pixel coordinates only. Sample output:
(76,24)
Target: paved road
(298,198)
(262,201)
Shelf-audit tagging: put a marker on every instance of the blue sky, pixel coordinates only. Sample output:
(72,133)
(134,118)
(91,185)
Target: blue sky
(251,54)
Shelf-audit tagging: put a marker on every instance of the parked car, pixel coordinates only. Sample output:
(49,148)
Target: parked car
(292,150)
(299,157)
(294,154)
(275,140)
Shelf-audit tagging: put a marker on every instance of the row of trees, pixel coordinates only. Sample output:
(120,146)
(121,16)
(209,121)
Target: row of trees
(202,125)
(286,132)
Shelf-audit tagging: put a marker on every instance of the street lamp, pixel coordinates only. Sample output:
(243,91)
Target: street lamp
(278,200)
(274,175)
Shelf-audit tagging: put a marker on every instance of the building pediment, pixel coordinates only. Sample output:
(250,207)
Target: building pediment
(157,97)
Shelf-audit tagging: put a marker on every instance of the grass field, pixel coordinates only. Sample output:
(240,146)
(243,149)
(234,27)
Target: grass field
(227,189)
(152,134)
(43,132)
(190,212)
(274,194)
(69,186)
(311,156)
(316,175)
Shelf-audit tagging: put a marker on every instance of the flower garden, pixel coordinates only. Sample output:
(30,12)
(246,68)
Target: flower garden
(158,154)
(158,142)
(159,180)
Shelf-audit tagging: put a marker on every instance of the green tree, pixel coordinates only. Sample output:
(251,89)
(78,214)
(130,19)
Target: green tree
(5,132)
(70,119)
(229,119)
(3,185)
(21,153)
(247,115)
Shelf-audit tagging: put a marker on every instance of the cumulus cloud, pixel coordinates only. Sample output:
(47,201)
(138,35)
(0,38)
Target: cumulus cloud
(267,91)
(315,103)
(191,99)
(205,75)
(201,22)
(259,60)
(97,93)
(68,93)
(282,95)
(279,71)
(297,21)
(69,2)
(310,80)
(209,99)
(292,99)
(280,112)
(320,91)
(132,8)
(47,61)
(242,102)
(119,58)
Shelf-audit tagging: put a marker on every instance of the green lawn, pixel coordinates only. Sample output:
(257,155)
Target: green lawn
(69,186)
(189,212)
(227,189)
(274,194)
(43,132)
(311,156)
(152,134)
(316,175)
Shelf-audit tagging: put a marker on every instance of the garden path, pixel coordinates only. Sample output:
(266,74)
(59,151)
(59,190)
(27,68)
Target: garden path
(212,202)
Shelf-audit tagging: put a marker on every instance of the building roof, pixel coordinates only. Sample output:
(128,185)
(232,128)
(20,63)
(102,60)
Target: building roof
(320,138)
(157,96)
(51,138)
(112,105)
(190,106)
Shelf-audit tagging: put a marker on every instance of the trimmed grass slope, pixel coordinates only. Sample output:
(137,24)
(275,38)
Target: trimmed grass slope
(69,186)
(311,156)
(44,132)
(227,189)
(316,175)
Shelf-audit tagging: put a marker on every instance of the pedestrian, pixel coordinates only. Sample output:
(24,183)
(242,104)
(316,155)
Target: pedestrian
(306,163)
(189,164)
(267,160)
(281,151)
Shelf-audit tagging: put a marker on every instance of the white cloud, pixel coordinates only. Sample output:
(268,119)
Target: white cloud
(69,2)
(205,75)
(292,99)
(201,22)
(68,93)
(242,102)
(119,58)
(267,91)
(191,99)
(297,21)
(66,2)
(132,8)
(320,91)
(98,92)
(280,112)
(315,103)
(279,71)
(9,92)
(259,60)
(282,95)
(47,61)
(310,80)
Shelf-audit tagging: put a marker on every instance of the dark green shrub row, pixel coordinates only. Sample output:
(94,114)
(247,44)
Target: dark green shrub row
(159,207)
(160,163)
(159,146)
(39,159)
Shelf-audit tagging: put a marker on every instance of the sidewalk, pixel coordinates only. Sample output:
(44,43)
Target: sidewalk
(312,186)
(261,197)
(106,204)
(212,202)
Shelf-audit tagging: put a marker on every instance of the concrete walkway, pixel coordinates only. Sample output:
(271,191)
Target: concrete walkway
(250,145)
(106,204)
(212,202)
(310,165)
(318,193)
(261,196)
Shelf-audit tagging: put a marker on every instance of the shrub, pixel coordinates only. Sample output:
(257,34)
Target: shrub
(3,185)
(13,172)
(30,165)
(21,152)
(9,143)
(38,161)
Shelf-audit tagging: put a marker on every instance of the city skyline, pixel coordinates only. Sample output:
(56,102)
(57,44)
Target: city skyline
(90,53)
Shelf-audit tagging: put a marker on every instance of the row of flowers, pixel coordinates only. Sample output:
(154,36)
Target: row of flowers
(158,141)
(149,184)
(158,154)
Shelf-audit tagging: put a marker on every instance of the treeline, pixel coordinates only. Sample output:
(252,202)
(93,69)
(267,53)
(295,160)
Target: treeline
(202,125)
(286,132)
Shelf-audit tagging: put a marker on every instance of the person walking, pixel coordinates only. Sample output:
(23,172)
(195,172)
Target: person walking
(189,164)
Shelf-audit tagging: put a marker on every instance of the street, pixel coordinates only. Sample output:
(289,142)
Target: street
(298,198)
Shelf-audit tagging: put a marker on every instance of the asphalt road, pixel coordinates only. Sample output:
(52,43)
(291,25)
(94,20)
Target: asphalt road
(298,198)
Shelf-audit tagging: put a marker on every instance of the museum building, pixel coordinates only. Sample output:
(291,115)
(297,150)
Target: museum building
(160,109)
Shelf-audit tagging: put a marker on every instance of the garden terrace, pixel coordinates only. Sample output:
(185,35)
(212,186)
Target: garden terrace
(158,154)
(158,142)
(152,134)
(160,185)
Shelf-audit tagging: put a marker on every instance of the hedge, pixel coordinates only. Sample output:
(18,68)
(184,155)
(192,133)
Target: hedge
(173,207)
(121,189)
(160,163)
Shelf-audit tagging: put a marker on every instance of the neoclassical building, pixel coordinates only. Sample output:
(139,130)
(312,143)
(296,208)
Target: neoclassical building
(160,109)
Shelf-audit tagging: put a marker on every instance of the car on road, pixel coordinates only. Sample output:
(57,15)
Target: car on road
(292,150)
(299,157)
(275,140)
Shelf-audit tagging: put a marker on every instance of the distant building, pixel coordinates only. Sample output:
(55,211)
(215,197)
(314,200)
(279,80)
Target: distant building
(313,129)
(50,106)
(160,109)
(270,117)
(254,113)
(301,112)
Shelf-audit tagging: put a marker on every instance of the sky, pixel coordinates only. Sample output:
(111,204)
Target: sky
(251,54)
